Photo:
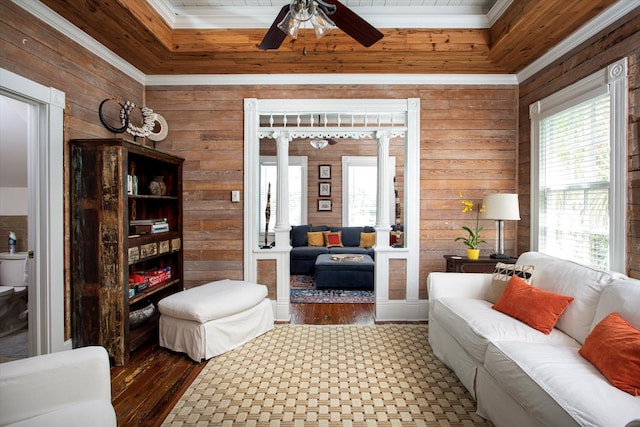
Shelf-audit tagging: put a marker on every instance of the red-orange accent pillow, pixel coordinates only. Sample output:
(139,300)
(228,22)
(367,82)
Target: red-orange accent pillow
(333,238)
(614,348)
(537,308)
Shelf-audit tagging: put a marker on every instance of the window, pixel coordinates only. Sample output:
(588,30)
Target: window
(359,191)
(297,190)
(578,197)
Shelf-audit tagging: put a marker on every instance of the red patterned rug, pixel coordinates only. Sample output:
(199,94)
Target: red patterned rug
(303,291)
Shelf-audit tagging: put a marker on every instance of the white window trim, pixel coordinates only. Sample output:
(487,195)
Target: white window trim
(612,80)
(364,161)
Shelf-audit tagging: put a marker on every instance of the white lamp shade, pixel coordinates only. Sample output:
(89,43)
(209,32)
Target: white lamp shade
(501,206)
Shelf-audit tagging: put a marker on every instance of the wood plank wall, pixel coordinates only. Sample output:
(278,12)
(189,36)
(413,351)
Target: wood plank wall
(468,145)
(619,40)
(39,53)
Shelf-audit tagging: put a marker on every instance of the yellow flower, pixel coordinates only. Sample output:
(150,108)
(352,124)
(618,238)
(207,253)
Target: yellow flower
(474,235)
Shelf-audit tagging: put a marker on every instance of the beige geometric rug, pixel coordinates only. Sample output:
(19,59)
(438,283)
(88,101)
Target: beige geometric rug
(311,375)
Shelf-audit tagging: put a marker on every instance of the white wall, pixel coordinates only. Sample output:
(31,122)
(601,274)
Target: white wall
(14,195)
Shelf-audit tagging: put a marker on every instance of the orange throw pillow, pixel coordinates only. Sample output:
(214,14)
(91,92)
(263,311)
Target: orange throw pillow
(315,238)
(333,238)
(367,240)
(614,348)
(537,308)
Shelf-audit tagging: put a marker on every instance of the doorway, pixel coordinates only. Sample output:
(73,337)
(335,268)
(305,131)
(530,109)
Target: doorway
(283,121)
(43,238)
(14,207)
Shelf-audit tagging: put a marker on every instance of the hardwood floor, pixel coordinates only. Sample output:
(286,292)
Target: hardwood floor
(146,389)
(332,314)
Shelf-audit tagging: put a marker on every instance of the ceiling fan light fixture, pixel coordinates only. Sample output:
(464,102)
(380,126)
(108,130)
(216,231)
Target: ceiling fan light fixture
(318,144)
(301,11)
(321,23)
(324,15)
(290,25)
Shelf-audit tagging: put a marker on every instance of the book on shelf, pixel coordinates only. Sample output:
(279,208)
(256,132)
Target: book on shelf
(148,226)
(147,221)
(159,228)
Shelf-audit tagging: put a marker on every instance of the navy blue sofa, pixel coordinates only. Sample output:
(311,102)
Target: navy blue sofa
(303,257)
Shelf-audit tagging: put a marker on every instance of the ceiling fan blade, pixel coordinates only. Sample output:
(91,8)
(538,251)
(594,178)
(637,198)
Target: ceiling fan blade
(352,24)
(275,36)
(332,141)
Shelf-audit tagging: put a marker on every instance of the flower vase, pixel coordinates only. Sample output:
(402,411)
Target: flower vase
(473,254)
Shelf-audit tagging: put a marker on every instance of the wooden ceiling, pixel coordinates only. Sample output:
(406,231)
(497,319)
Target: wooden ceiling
(135,31)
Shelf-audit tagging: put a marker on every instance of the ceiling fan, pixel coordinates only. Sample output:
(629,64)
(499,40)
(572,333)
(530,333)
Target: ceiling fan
(323,15)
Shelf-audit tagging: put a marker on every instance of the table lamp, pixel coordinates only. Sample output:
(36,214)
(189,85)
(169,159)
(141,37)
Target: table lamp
(501,207)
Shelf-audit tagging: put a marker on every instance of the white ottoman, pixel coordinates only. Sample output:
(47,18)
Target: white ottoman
(214,318)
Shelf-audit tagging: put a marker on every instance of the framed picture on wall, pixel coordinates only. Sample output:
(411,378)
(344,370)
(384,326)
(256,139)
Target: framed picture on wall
(325,189)
(324,205)
(325,171)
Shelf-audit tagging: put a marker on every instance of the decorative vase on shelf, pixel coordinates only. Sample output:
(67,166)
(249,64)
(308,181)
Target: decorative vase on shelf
(473,254)
(157,187)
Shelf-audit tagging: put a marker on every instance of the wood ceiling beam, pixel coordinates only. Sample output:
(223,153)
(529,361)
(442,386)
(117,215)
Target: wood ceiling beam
(150,20)
(530,28)
(322,62)
(409,40)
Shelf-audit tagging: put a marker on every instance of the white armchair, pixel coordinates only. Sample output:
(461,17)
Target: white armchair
(69,388)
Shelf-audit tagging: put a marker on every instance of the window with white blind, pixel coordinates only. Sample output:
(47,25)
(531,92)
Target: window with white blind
(578,173)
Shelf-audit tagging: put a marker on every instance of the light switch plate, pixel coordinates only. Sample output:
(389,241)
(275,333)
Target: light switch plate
(235,196)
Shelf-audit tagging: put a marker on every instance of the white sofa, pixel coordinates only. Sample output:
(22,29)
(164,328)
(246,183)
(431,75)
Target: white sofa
(69,388)
(518,375)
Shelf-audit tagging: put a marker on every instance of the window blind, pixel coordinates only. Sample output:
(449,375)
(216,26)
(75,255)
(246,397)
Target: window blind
(574,179)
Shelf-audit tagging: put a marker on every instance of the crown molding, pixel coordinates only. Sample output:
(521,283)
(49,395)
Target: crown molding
(497,10)
(330,79)
(597,24)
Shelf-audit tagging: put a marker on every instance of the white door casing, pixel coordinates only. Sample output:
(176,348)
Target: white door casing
(384,118)
(46,210)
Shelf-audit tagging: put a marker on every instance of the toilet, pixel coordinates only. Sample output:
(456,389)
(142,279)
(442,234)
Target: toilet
(13,292)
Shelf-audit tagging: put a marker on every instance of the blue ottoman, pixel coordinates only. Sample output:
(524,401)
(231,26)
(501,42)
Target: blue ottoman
(340,271)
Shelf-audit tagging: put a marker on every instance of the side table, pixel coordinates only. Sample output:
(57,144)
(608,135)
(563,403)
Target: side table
(485,264)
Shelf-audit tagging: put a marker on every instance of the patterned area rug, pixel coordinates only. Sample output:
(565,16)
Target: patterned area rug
(303,291)
(310,375)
